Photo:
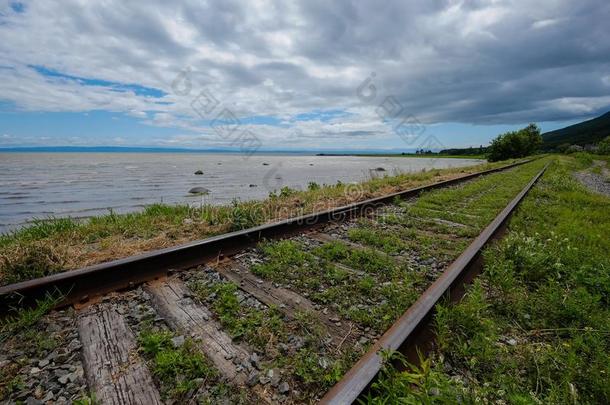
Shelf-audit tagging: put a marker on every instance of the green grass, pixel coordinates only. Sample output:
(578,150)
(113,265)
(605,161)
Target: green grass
(390,244)
(10,382)
(535,326)
(242,323)
(421,384)
(85,400)
(373,296)
(179,369)
(431,156)
(367,260)
(468,209)
(20,320)
(40,229)
(265,329)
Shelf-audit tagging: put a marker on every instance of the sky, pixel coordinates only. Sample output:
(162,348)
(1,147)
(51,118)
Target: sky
(302,75)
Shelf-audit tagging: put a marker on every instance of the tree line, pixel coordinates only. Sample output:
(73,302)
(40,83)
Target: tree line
(515,144)
(510,145)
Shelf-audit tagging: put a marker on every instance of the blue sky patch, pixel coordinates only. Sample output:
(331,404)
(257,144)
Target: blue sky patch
(114,86)
(26,128)
(229,118)
(321,115)
(17,7)
(261,120)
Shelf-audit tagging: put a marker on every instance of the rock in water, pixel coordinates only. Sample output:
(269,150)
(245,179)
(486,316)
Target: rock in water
(198,172)
(199,190)
(380,169)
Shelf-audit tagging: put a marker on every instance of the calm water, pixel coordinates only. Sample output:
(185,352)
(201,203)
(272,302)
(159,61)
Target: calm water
(41,185)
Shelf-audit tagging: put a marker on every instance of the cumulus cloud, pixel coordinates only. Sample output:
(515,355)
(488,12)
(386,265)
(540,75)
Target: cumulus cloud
(465,61)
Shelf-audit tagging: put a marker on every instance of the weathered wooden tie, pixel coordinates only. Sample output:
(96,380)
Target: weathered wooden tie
(173,300)
(114,371)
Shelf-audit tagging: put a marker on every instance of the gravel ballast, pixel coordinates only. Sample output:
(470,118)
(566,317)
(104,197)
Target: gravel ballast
(596,182)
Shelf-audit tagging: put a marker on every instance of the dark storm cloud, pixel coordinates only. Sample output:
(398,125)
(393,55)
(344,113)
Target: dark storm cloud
(492,62)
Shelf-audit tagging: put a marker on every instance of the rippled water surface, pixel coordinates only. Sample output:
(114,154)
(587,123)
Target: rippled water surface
(41,185)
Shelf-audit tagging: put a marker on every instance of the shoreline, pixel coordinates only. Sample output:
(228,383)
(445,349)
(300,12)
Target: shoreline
(47,247)
(42,185)
(407,155)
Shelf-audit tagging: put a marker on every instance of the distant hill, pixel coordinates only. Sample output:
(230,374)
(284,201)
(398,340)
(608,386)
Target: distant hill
(587,132)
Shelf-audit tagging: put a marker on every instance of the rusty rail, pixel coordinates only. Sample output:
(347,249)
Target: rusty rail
(82,284)
(413,331)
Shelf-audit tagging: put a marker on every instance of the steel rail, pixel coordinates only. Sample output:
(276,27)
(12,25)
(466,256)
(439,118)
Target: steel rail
(82,284)
(412,333)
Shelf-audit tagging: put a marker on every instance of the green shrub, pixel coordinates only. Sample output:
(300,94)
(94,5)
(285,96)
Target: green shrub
(287,191)
(603,147)
(515,144)
(312,185)
(418,385)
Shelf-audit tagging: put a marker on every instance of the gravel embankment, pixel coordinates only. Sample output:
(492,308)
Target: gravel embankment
(596,182)
(45,362)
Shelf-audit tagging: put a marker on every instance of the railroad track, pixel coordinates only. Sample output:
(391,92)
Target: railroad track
(281,312)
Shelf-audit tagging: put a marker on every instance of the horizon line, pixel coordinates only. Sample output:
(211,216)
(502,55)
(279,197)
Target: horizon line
(102,148)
